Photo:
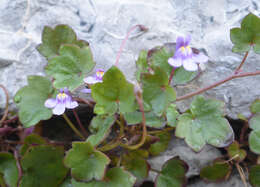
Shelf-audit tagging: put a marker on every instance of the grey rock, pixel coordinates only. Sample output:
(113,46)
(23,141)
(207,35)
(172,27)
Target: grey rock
(195,161)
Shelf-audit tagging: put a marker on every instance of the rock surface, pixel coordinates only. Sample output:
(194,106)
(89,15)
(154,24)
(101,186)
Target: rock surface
(105,23)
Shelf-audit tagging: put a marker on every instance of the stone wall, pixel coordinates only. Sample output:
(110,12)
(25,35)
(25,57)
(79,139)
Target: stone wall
(104,24)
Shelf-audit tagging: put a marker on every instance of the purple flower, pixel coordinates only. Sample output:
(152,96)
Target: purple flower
(63,100)
(184,56)
(98,77)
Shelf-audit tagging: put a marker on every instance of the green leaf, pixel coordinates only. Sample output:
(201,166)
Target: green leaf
(114,94)
(254,176)
(8,169)
(181,76)
(254,122)
(161,145)
(235,152)
(157,92)
(246,36)
(216,172)
(158,57)
(136,165)
(255,106)
(43,166)
(30,101)
(134,118)
(172,173)
(141,65)
(115,177)
(100,126)
(254,141)
(205,124)
(52,39)
(70,68)
(172,115)
(85,162)
(32,139)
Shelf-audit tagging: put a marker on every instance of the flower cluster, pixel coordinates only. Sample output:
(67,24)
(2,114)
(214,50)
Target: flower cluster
(184,56)
(63,100)
(98,77)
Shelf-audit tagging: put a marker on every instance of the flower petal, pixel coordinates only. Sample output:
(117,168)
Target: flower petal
(90,80)
(179,42)
(50,103)
(86,90)
(69,103)
(175,62)
(187,40)
(190,65)
(200,58)
(59,109)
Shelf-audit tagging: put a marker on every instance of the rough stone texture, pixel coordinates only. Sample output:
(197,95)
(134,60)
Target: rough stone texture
(105,23)
(195,161)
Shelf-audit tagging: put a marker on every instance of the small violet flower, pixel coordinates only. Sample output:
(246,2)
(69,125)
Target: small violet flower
(184,56)
(63,100)
(98,77)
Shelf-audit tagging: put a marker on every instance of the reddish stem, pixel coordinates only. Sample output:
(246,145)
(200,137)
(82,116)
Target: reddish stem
(79,122)
(20,171)
(242,63)
(143,28)
(171,76)
(217,84)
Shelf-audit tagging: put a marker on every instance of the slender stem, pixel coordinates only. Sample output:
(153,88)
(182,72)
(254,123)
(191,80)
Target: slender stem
(121,124)
(79,123)
(171,76)
(143,28)
(234,76)
(72,126)
(242,174)
(13,119)
(140,103)
(90,103)
(20,171)
(160,131)
(6,105)
(109,146)
(242,63)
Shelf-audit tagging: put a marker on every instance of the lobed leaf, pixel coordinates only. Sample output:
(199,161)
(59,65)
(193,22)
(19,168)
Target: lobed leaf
(85,162)
(172,115)
(157,92)
(235,152)
(30,101)
(100,127)
(8,170)
(43,166)
(172,173)
(53,39)
(205,124)
(71,66)
(255,106)
(32,139)
(218,171)
(161,145)
(141,65)
(114,94)
(115,177)
(246,36)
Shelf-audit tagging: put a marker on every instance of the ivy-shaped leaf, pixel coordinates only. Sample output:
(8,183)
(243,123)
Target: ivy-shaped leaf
(172,173)
(254,176)
(52,39)
(157,92)
(71,66)
(172,115)
(151,119)
(115,177)
(205,124)
(32,139)
(254,124)
(235,152)
(135,164)
(182,76)
(141,65)
(161,145)
(100,127)
(8,169)
(43,166)
(248,35)
(30,101)
(254,141)
(114,94)
(215,172)
(85,162)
